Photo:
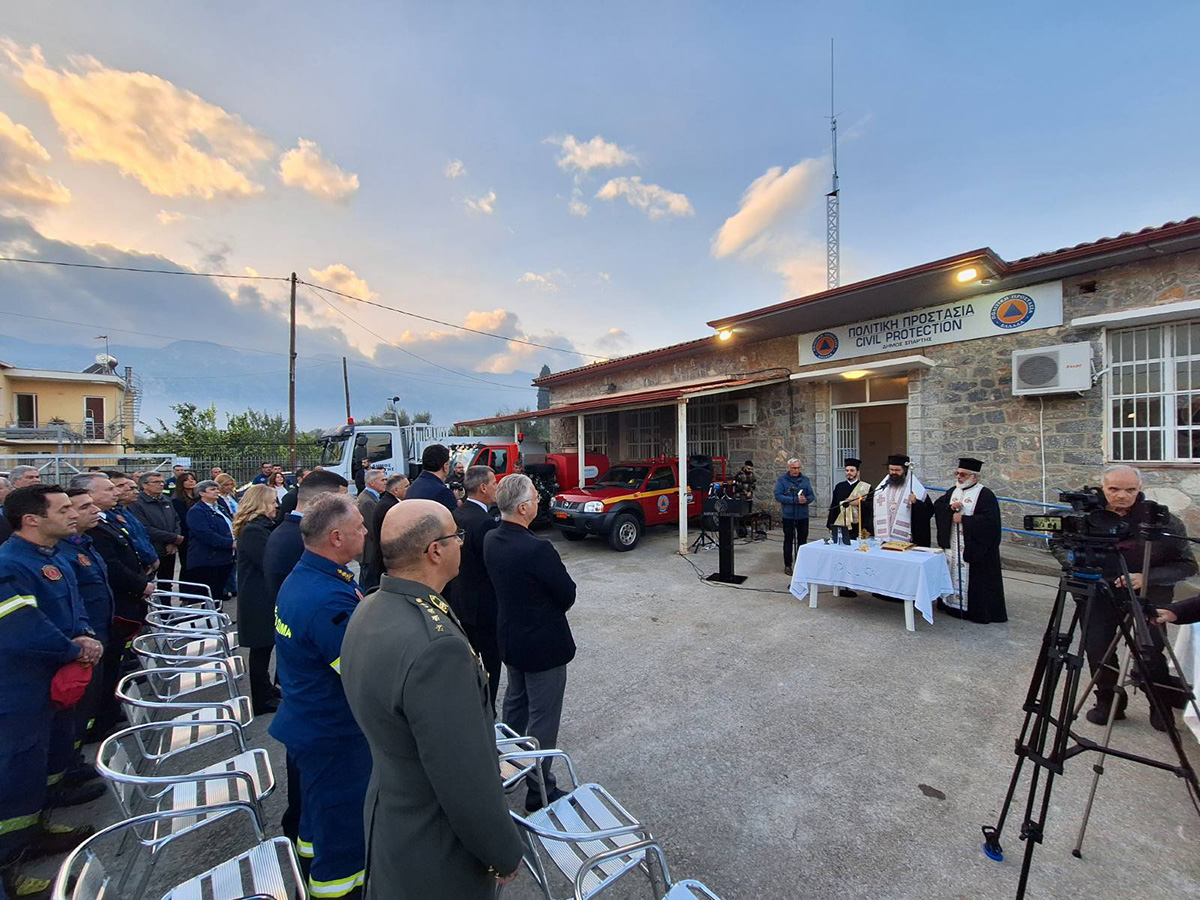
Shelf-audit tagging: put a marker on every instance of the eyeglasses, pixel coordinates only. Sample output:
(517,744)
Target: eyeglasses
(460,534)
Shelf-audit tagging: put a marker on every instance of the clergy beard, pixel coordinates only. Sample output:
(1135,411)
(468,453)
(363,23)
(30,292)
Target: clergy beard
(895,480)
(968,483)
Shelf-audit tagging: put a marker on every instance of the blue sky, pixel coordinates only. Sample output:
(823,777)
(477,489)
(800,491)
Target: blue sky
(694,134)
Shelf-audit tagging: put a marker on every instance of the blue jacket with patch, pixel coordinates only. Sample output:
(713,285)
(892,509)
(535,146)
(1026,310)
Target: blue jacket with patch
(40,611)
(138,535)
(311,614)
(92,575)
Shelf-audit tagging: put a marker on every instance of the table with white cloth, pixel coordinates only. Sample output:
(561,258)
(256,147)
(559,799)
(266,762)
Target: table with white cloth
(1187,651)
(918,578)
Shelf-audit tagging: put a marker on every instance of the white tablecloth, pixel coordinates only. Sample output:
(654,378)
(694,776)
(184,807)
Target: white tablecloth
(1187,650)
(913,575)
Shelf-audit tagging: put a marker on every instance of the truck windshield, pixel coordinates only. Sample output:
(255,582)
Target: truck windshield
(332,450)
(465,457)
(623,476)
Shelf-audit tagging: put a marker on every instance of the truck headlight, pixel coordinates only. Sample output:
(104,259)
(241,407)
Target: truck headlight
(593,506)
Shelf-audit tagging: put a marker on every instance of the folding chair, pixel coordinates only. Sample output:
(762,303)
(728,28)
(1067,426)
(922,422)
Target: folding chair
(586,822)
(266,870)
(143,700)
(687,889)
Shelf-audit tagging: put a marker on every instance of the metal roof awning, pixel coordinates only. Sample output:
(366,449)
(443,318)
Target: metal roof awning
(879,367)
(658,396)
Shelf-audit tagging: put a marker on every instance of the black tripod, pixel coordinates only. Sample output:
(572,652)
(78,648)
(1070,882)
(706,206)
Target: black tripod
(1047,739)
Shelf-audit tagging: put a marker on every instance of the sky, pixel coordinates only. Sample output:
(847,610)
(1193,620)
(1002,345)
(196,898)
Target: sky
(599,179)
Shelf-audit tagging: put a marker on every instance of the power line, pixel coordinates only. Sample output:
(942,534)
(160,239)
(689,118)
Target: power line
(404,312)
(72,265)
(380,337)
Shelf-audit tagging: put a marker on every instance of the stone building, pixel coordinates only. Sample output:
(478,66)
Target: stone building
(920,361)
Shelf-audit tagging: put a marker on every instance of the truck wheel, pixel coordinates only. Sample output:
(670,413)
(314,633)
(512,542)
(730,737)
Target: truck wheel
(574,536)
(626,532)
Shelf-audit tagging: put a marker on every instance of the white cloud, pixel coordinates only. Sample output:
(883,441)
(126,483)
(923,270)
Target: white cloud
(541,282)
(485,204)
(606,277)
(583,156)
(455,169)
(804,272)
(768,199)
(21,184)
(170,218)
(170,140)
(305,166)
(614,339)
(651,199)
(341,277)
(578,208)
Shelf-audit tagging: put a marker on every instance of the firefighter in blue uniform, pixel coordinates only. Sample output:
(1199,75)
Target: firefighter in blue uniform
(92,577)
(314,720)
(42,628)
(123,513)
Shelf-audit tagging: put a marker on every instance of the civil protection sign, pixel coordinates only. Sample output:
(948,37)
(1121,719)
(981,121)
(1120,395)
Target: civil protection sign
(986,315)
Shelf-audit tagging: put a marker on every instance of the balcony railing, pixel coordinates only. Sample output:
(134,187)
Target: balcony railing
(62,432)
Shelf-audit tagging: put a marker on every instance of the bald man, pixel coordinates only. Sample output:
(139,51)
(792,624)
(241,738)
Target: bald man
(435,811)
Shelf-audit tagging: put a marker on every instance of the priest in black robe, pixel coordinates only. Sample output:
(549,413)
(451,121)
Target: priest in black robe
(968,528)
(851,501)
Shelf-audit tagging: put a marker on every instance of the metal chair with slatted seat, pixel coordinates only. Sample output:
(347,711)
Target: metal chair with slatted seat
(266,870)
(140,697)
(181,666)
(142,783)
(686,889)
(186,620)
(512,747)
(586,822)
(213,644)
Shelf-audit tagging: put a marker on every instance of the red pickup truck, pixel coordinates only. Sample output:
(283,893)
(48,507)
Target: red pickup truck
(624,501)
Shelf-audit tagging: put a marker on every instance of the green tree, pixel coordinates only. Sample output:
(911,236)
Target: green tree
(543,394)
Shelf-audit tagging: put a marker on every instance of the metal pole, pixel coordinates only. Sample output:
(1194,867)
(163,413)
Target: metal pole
(579,445)
(346,383)
(292,379)
(681,450)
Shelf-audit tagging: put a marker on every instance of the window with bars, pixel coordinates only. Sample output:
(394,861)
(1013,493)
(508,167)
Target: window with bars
(642,437)
(595,433)
(705,436)
(1154,389)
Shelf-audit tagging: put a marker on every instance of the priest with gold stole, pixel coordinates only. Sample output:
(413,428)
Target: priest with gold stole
(850,501)
(968,526)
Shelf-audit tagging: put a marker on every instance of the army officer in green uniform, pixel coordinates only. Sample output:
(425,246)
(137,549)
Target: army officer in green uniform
(437,824)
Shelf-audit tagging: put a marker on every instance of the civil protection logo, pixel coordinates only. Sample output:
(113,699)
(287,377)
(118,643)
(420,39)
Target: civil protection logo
(1012,310)
(825,345)
(663,503)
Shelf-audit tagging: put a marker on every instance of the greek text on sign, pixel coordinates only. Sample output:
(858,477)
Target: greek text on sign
(987,315)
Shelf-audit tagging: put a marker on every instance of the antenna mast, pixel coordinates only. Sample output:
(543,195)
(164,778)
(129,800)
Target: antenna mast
(832,211)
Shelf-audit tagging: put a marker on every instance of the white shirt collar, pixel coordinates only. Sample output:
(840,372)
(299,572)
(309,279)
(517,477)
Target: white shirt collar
(477,503)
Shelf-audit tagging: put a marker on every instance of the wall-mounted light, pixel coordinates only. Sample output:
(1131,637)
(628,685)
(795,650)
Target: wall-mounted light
(724,334)
(963,276)
(856,374)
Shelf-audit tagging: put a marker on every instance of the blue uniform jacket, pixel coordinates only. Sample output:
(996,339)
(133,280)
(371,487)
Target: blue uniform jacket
(787,489)
(40,611)
(210,542)
(428,486)
(285,546)
(138,535)
(314,606)
(92,575)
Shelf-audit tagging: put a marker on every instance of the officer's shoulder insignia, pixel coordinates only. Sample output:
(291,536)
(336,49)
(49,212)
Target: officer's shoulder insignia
(439,603)
(346,575)
(83,560)
(51,572)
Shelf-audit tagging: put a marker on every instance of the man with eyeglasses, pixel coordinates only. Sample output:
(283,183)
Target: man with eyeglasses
(155,511)
(533,593)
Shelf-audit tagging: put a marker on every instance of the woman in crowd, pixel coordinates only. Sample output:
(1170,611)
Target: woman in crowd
(279,484)
(182,499)
(256,608)
(210,541)
(228,498)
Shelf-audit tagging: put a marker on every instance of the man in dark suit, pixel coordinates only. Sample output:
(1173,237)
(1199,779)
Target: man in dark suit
(368,499)
(431,483)
(437,824)
(533,594)
(284,549)
(471,594)
(158,515)
(394,491)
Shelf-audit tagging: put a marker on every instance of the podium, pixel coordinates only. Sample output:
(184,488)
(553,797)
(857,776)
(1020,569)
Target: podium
(726,511)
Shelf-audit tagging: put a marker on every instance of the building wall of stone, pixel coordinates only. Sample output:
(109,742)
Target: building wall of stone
(963,406)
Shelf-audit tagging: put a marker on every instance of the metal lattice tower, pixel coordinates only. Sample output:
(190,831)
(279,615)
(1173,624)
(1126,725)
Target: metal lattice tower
(832,207)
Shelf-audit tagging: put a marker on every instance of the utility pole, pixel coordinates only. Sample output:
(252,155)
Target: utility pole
(292,380)
(832,200)
(346,383)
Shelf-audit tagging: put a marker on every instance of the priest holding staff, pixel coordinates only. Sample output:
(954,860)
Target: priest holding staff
(968,527)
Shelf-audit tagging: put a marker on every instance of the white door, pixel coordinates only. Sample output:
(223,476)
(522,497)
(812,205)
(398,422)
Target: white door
(845,440)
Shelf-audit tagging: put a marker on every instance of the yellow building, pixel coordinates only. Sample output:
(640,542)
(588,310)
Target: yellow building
(45,411)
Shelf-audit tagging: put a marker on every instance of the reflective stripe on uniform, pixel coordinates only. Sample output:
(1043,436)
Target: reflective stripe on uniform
(18,823)
(339,887)
(12,604)
(336,665)
(52,780)
(304,848)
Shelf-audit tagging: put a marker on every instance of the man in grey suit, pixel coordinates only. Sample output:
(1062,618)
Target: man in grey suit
(437,824)
(368,499)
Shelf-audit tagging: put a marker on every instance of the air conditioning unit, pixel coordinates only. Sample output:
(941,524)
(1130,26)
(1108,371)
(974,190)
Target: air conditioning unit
(1060,369)
(740,413)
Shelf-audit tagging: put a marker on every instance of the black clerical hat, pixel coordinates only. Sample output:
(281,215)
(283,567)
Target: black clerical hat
(897,460)
(971,465)
(851,461)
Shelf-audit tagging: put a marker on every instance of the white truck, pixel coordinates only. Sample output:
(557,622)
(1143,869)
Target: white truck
(389,447)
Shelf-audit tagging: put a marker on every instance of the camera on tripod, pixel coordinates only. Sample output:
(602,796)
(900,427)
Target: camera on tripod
(1091,531)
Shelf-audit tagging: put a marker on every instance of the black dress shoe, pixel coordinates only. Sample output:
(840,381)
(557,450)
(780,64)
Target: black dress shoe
(53,840)
(265,708)
(80,775)
(76,796)
(1098,714)
(533,800)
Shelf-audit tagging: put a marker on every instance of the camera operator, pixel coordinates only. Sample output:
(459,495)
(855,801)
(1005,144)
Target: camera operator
(1181,612)
(1171,561)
